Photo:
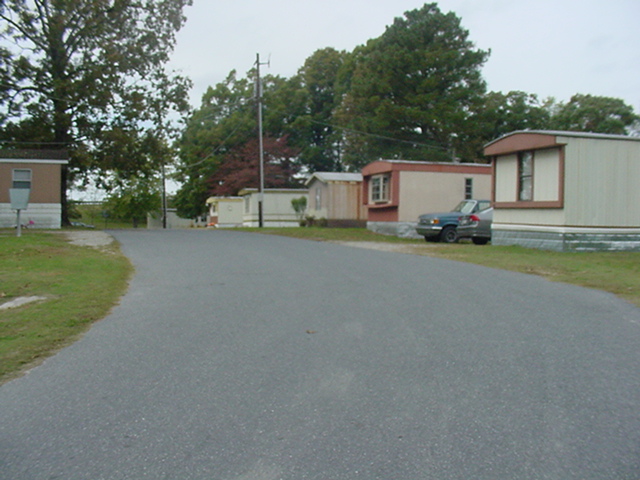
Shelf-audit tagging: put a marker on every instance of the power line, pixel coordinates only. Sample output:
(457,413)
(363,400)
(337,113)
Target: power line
(382,137)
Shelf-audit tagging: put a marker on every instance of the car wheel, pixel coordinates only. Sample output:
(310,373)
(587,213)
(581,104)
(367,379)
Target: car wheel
(480,241)
(449,235)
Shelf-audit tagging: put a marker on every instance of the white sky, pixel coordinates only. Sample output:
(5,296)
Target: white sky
(553,48)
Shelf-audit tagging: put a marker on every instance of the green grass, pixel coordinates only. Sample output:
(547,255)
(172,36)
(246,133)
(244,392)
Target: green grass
(615,272)
(80,284)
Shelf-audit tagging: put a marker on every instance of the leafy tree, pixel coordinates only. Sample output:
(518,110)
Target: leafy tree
(225,120)
(133,199)
(314,132)
(516,110)
(89,76)
(241,167)
(191,197)
(414,91)
(299,206)
(588,113)
(225,127)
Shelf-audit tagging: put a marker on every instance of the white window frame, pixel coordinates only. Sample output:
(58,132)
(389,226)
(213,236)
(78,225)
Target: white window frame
(21,182)
(380,188)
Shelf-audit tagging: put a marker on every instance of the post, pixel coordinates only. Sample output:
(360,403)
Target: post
(164,198)
(261,146)
(19,227)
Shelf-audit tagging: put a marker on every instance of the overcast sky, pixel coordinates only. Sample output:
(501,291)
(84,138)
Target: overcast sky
(553,48)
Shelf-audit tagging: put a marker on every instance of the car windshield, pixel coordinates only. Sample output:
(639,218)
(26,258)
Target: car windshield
(466,206)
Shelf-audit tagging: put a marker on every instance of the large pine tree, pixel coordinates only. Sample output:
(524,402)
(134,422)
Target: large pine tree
(414,91)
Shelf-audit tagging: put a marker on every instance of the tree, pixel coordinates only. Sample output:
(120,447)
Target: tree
(90,75)
(588,113)
(414,91)
(299,206)
(314,131)
(241,168)
(516,110)
(133,199)
(225,120)
(225,127)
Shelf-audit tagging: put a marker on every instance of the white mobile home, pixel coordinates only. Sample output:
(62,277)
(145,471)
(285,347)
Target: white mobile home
(225,211)
(566,191)
(277,210)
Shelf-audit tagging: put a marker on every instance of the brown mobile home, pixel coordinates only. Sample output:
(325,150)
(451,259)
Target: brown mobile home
(566,191)
(41,172)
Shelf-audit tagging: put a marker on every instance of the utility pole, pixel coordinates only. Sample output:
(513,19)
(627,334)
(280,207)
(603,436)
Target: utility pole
(259,102)
(164,197)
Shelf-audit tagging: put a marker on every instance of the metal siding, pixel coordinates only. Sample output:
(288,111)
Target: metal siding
(325,200)
(529,216)
(546,175)
(45,181)
(602,179)
(424,192)
(345,202)
(506,180)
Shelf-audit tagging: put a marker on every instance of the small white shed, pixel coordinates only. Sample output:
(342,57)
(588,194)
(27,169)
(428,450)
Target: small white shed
(566,191)
(337,198)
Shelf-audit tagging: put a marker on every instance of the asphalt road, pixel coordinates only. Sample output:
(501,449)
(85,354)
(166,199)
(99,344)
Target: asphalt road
(237,356)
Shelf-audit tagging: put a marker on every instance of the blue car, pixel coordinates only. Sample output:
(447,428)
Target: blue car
(442,226)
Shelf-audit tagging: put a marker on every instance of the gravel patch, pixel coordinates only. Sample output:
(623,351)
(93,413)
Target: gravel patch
(89,238)
(389,247)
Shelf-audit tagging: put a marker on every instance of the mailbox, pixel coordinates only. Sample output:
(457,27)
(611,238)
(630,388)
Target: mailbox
(19,201)
(19,198)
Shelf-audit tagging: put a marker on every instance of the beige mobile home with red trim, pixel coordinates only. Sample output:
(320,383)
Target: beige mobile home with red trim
(566,191)
(396,192)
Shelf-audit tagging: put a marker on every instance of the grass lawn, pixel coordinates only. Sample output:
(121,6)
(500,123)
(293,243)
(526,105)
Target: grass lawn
(615,272)
(79,285)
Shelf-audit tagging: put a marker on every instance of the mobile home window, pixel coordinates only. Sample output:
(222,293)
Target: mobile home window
(380,188)
(21,178)
(318,199)
(468,188)
(525,176)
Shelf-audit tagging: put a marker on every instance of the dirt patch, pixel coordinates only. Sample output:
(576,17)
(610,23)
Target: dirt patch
(89,238)
(390,247)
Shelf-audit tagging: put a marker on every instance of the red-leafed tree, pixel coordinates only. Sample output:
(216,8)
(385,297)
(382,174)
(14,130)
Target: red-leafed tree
(240,168)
